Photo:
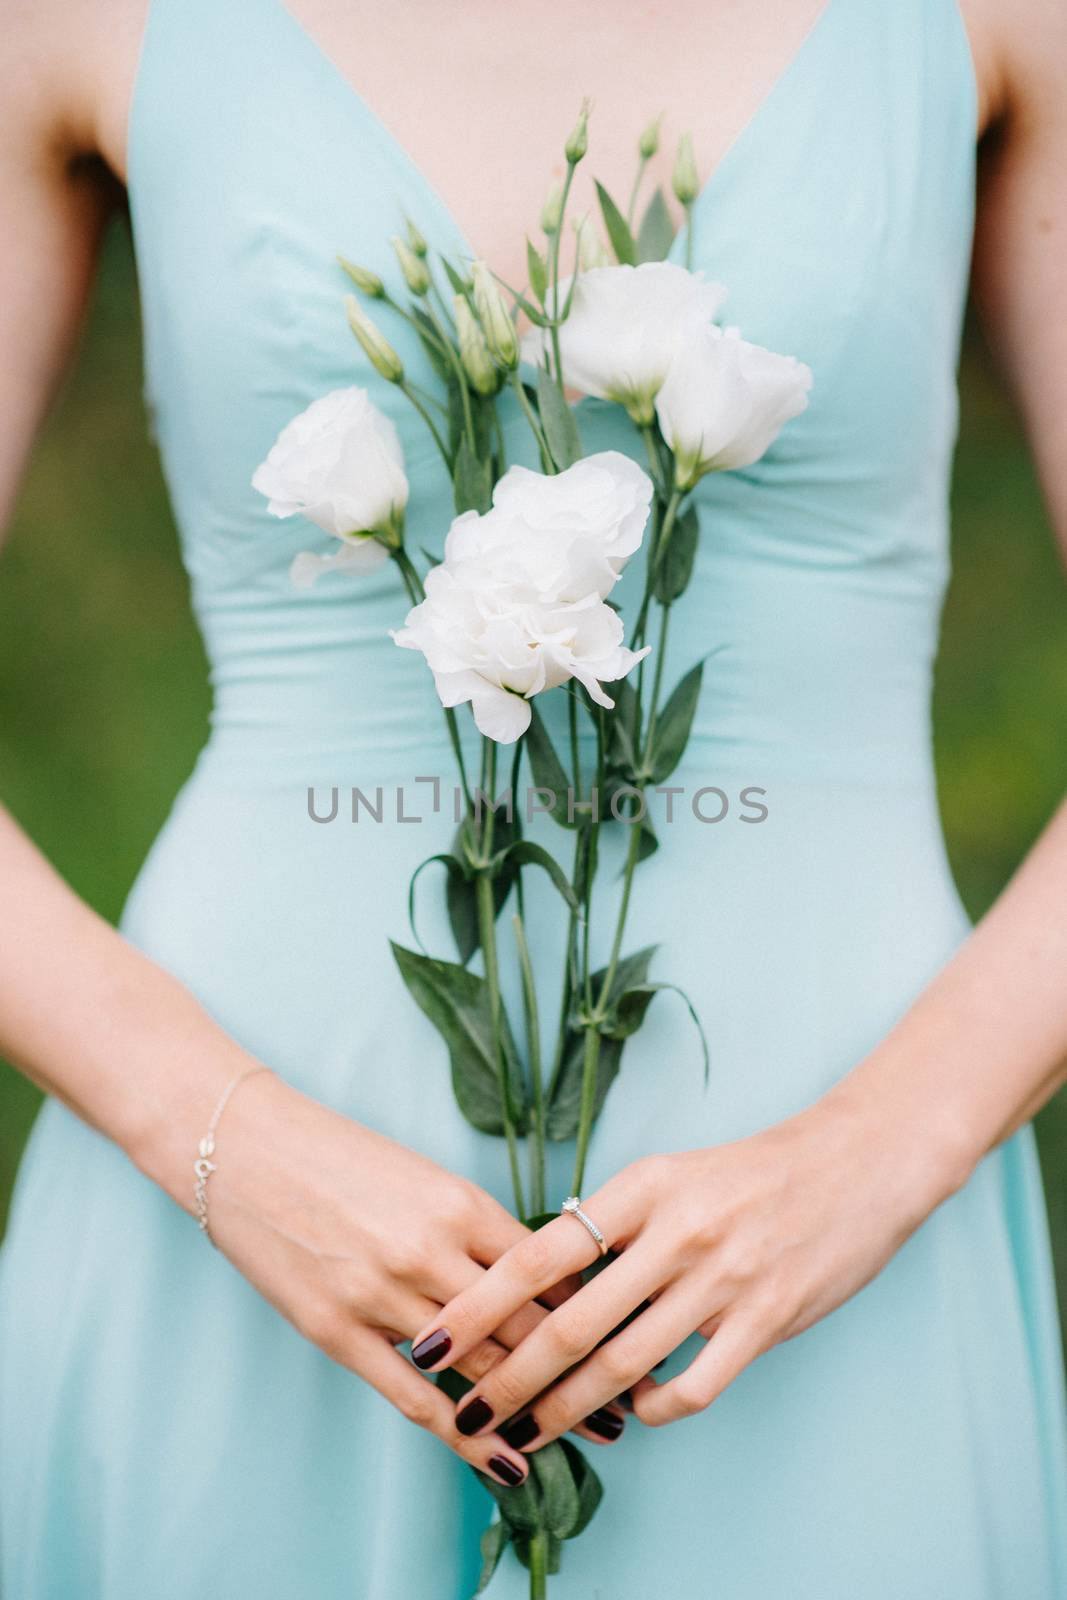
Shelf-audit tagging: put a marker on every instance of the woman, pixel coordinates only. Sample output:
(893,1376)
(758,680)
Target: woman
(165,1429)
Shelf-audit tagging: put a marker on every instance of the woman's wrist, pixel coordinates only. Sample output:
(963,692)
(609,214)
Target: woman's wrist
(161,1133)
(911,1137)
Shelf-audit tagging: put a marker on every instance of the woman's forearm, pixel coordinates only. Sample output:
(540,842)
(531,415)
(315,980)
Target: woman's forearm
(985,1045)
(94,1022)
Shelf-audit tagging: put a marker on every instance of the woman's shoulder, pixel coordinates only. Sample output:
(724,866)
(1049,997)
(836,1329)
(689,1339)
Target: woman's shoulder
(1020,57)
(66,75)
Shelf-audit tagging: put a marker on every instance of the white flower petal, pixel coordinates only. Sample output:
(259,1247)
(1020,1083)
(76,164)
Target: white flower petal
(363,556)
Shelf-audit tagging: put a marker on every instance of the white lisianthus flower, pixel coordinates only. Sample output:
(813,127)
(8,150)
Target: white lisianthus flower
(725,401)
(625,326)
(340,464)
(583,524)
(517,605)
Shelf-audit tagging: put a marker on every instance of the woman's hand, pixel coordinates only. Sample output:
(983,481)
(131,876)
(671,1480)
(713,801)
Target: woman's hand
(358,1242)
(747,1244)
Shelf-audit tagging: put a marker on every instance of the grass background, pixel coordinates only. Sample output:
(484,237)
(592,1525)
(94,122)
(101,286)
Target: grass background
(103,697)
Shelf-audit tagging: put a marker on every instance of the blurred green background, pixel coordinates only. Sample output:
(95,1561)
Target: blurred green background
(103,697)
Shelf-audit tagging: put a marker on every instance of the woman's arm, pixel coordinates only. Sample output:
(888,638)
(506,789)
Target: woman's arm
(753,1242)
(354,1239)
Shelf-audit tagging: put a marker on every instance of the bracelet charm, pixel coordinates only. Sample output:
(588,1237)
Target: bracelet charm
(203,1166)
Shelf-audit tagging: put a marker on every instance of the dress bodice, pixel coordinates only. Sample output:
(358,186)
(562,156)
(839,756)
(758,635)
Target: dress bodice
(840,219)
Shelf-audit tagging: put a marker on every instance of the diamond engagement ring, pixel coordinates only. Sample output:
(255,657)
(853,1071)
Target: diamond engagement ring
(572,1207)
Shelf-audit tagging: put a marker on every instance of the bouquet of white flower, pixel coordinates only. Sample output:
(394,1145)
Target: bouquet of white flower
(520,607)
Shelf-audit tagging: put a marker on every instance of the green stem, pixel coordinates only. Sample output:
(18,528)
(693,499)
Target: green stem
(590,1065)
(501,446)
(689,237)
(656,552)
(487,937)
(538,1558)
(567,992)
(536,1140)
(409,392)
(416,593)
(638,178)
(534,421)
(461,377)
(657,682)
(554,274)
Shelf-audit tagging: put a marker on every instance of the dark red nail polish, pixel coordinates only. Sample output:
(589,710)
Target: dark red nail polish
(521,1432)
(605,1424)
(429,1351)
(506,1471)
(473,1416)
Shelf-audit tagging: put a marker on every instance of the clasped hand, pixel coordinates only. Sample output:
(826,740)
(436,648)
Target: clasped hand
(746,1244)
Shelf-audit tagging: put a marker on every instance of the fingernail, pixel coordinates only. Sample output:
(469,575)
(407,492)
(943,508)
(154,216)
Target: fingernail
(506,1471)
(521,1432)
(472,1417)
(605,1424)
(429,1351)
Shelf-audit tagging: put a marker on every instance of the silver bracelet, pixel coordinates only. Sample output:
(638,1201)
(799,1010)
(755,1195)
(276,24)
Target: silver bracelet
(203,1166)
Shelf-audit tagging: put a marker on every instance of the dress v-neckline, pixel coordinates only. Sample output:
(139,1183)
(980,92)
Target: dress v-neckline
(769,102)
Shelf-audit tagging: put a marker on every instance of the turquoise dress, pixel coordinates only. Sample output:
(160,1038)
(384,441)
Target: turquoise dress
(163,1432)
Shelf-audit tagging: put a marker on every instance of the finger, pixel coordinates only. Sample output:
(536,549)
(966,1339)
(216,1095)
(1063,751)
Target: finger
(537,1263)
(561,1341)
(376,1360)
(731,1348)
(477,1362)
(494,1231)
(616,1365)
(436,1352)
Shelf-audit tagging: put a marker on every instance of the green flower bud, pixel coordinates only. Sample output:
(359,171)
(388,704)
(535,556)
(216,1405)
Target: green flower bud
(552,210)
(416,272)
(473,350)
(495,317)
(578,143)
(416,240)
(592,251)
(684,181)
(367,282)
(648,143)
(378,350)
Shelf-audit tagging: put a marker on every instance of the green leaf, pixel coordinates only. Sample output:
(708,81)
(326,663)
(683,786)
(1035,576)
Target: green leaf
(629,1010)
(558,421)
(461,903)
(564,1107)
(656,233)
(674,567)
(691,1008)
(537,271)
(472,480)
(590,1490)
(560,1504)
(456,872)
(460,285)
(622,240)
(430,340)
(457,1003)
(494,1542)
(520,1508)
(461,894)
(525,853)
(623,728)
(546,767)
(674,724)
